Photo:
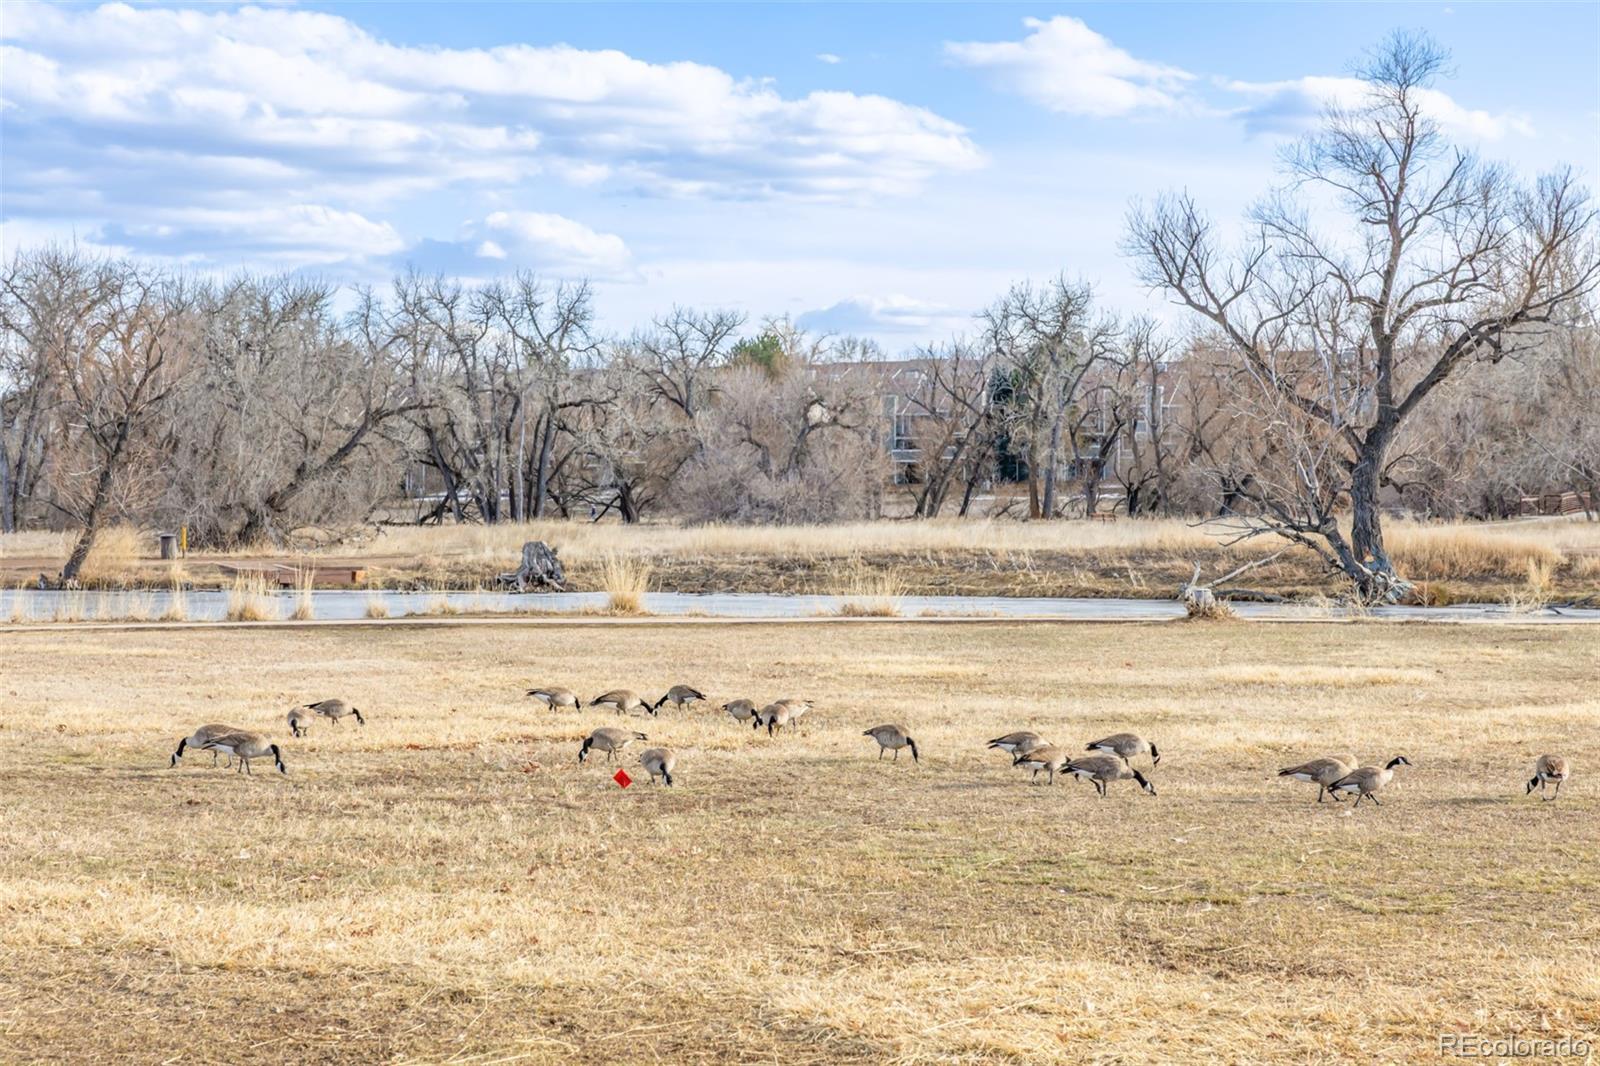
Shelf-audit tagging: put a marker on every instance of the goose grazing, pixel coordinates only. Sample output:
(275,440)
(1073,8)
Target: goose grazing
(608,740)
(1367,781)
(202,739)
(1044,757)
(244,746)
(1125,746)
(659,762)
(782,714)
(1549,768)
(300,721)
(892,738)
(774,716)
(740,710)
(1104,769)
(555,696)
(333,710)
(1322,772)
(623,701)
(1017,745)
(681,696)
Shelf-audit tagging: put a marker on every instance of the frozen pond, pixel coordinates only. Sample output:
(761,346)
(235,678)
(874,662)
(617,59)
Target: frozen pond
(28,605)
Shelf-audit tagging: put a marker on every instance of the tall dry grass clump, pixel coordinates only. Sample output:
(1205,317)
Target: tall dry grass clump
(870,593)
(249,600)
(115,552)
(1437,553)
(305,580)
(177,609)
(376,606)
(625,580)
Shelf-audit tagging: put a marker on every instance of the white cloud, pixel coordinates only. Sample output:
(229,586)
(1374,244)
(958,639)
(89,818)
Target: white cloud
(288,236)
(1295,105)
(317,93)
(829,58)
(552,243)
(1066,66)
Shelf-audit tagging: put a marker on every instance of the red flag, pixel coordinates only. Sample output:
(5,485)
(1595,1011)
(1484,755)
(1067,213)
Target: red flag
(621,777)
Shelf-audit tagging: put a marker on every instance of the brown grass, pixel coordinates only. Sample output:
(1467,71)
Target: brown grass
(625,581)
(448,883)
(870,593)
(304,582)
(249,601)
(1483,562)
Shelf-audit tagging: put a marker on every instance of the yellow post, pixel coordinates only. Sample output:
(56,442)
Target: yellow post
(183,541)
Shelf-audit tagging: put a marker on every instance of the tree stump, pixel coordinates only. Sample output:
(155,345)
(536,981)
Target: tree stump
(540,569)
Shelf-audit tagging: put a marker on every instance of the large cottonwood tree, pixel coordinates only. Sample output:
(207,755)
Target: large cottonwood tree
(1391,261)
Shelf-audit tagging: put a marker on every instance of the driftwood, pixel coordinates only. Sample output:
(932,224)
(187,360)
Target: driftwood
(1204,601)
(540,569)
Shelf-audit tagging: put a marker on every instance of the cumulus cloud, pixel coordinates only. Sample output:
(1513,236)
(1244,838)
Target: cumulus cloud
(318,94)
(554,243)
(251,131)
(504,240)
(1295,105)
(1065,66)
(893,314)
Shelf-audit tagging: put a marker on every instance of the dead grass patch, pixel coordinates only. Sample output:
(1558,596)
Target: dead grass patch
(412,891)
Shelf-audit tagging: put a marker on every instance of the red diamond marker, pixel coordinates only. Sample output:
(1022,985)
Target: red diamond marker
(621,777)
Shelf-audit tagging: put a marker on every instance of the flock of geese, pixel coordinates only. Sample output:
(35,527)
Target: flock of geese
(1108,759)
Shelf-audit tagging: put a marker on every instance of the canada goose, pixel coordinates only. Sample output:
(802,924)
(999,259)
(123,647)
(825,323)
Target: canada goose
(623,701)
(202,738)
(1018,744)
(245,746)
(774,716)
(1044,757)
(1549,768)
(608,740)
(781,714)
(740,710)
(1104,769)
(680,695)
(555,696)
(300,721)
(1126,745)
(333,710)
(1366,781)
(659,762)
(892,737)
(1322,772)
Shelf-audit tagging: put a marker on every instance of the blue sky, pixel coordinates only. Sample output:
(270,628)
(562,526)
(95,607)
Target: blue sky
(878,169)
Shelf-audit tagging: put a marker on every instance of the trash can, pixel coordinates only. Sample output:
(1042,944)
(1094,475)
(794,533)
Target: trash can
(169,545)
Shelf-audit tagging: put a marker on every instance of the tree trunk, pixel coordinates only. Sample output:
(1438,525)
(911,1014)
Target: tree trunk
(1053,456)
(546,445)
(1369,565)
(91,525)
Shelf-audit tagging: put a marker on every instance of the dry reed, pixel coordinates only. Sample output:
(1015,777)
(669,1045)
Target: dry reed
(249,601)
(625,581)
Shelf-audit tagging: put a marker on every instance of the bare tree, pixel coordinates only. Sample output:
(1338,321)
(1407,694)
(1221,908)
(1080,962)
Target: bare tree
(135,347)
(1148,459)
(682,353)
(1344,339)
(551,333)
(1046,341)
(47,300)
(949,412)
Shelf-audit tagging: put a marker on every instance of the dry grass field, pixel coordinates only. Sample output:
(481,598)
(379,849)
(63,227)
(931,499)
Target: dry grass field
(1524,562)
(448,884)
